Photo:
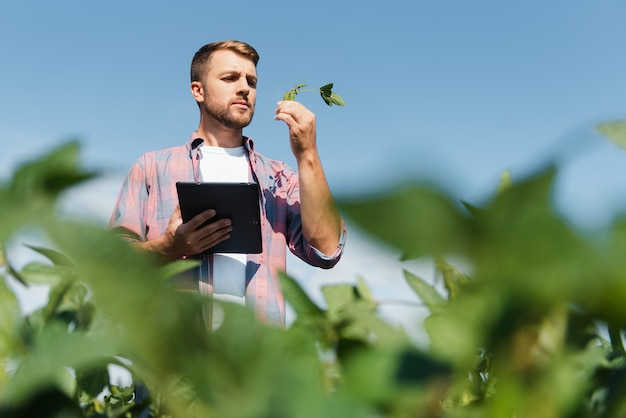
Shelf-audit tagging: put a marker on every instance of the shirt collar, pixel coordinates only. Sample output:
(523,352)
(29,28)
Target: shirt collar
(195,141)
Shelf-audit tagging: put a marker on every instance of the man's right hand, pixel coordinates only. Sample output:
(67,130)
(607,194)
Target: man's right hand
(182,240)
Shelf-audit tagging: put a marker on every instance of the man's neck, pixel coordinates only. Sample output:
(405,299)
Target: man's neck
(219,136)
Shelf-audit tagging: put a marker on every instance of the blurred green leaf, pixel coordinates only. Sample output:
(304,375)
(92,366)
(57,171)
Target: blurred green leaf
(47,402)
(49,175)
(173,268)
(337,297)
(346,303)
(365,293)
(54,350)
(93,379)
(453,279)
(506,181)
(467,324)
(522,244)
(371,374)
(426,292)
(56,297)
(384,375)
(30,195)
(379,331)
(473,210)
(40,273)
(10,320)
(56,257)
(518,338)
(416,219)
(237,387)
(614,131)
(302,304)
(602,289)
(309,316)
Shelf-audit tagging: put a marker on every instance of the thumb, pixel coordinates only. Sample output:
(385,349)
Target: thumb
(176,215)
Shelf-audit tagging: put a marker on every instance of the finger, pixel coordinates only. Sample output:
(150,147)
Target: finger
(201,218)
(286,107)
(287,118)
(205,232)
(296,118)
(215,227)
(214,239)
(176,219)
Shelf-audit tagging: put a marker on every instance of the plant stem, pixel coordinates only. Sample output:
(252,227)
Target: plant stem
(615,334)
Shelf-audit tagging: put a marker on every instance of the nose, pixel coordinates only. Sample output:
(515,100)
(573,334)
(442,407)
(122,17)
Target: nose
(242,86)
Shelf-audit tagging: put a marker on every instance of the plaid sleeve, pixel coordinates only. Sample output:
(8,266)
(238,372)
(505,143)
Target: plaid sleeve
(128,212)
(328,261)
(298,244)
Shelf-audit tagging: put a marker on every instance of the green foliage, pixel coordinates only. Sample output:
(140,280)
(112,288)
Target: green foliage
(412,211)
(532,277)
(326,92)
(514,330)
(615,131)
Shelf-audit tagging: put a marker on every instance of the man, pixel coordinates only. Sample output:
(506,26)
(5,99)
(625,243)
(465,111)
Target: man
(297,208)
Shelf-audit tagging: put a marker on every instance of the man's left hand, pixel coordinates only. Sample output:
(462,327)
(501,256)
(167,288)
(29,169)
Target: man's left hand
(301,123)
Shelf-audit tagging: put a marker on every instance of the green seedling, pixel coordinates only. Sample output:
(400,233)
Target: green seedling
(327,93)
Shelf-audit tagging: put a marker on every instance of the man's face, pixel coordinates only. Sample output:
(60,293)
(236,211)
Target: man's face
(229,89)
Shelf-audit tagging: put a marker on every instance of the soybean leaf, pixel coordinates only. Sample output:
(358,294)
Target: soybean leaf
(50,175)
(299,300)
(327,88)
(41,273)
(9,317)
(56,257)
(426,292)
(365,293)
(452,278)
(336,99)
(416,219)
(337,297)
(92,380)
(326,93)
(308,315)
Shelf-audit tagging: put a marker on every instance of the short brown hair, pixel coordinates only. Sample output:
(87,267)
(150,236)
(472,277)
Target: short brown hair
(201,59)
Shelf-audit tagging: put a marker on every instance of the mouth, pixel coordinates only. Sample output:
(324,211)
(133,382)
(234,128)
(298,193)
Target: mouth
(241,103)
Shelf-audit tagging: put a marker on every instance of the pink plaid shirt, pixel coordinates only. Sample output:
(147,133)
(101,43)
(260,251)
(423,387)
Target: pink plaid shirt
(148,197)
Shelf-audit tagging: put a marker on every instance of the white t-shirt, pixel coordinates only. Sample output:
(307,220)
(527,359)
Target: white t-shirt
(229,270)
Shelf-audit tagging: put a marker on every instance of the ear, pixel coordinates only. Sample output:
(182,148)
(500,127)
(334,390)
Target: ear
(197,91)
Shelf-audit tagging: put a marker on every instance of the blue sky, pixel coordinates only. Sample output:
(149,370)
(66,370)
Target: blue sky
(450,92)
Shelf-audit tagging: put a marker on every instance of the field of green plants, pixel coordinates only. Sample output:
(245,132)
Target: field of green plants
(532,329)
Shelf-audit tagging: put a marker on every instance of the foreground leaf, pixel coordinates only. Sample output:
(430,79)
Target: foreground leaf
(416,219)
(426,292)
(614,131)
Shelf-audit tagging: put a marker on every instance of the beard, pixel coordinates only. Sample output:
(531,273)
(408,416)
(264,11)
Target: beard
(227,118)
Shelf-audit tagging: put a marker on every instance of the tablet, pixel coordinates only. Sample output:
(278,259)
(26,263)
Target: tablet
(236,201)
